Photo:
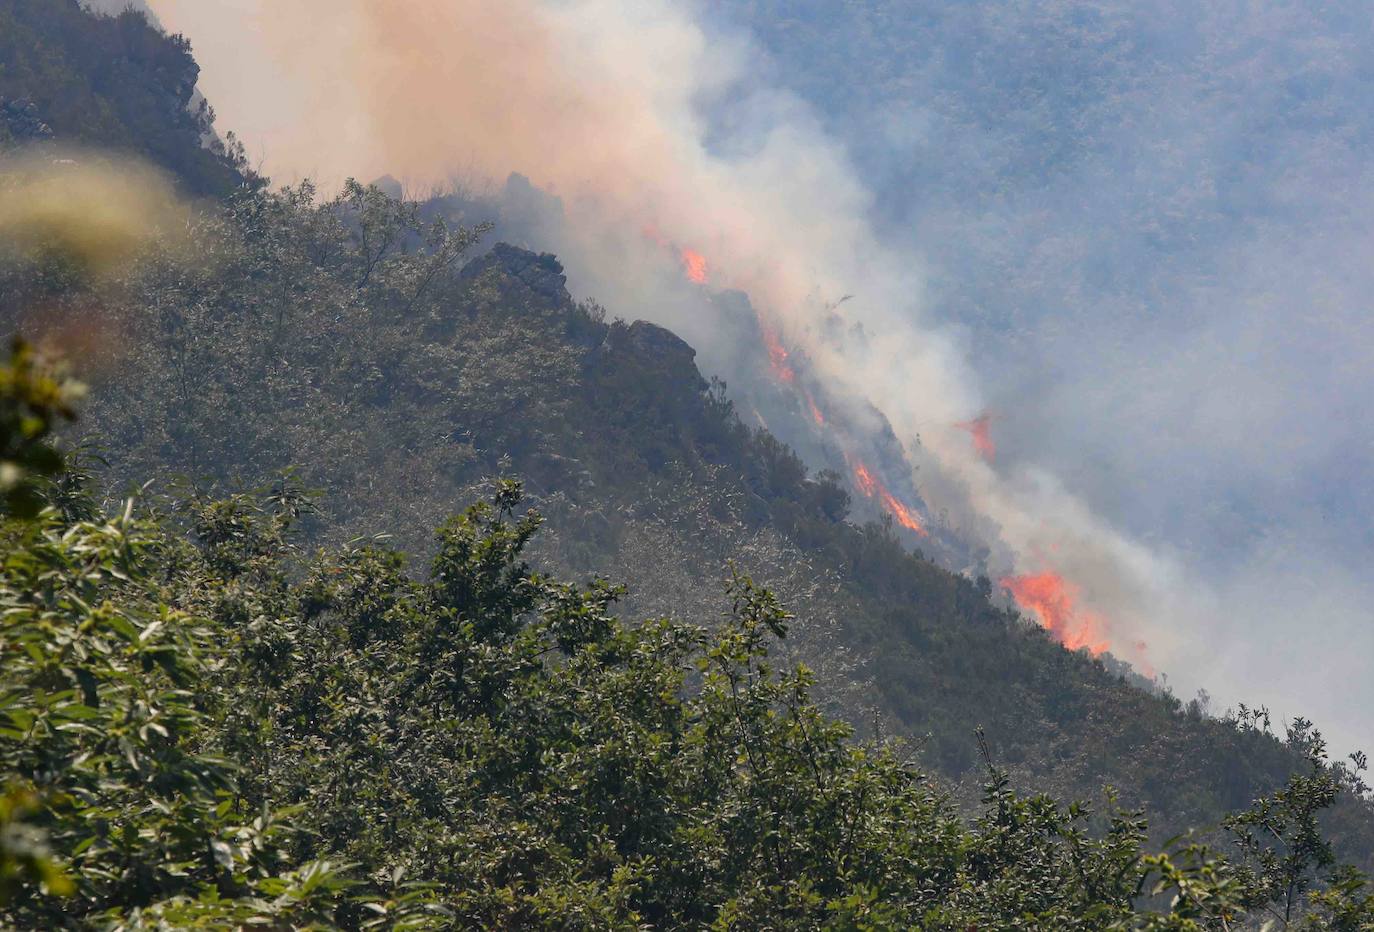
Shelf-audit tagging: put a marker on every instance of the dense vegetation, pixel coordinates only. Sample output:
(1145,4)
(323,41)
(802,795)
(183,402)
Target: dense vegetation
(223,707)
(115,82)
(204,727)
(349,340)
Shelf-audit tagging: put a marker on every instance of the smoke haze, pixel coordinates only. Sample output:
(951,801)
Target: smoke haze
(651,116)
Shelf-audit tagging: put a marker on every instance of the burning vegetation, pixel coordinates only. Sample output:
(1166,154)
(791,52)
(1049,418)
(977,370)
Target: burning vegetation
(900,513)
(872,487)
(778,358)
(980,429)
(815,410)
(694,266)
(1053,602)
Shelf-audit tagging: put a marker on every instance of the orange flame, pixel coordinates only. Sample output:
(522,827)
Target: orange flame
(1054,603)
(872,487)
(697,270)
(867,484)
(816,414)
(901,513)
(777,354)
(980,428)
(694,264)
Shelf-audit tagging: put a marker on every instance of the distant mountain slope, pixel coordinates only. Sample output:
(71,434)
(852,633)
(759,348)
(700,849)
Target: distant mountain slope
(110,82)
(396,386)
(1141,216)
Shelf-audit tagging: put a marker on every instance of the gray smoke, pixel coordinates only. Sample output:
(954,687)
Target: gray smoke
(1148,417)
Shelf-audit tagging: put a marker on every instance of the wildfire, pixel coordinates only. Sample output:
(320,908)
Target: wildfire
(1054,603)
(980,428)
(698,271)
(867,484)
(777,354)
(694,265)
(816,414)
(1047,596)
(901,513)
(872,487)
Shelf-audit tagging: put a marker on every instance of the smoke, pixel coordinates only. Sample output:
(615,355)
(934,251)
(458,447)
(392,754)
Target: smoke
(605,105)
(637,118)
(91,213)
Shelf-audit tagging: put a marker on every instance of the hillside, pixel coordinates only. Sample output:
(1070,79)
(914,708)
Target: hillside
(205,729)
(108,81)
(397,385)
(1085,179)
(396,366)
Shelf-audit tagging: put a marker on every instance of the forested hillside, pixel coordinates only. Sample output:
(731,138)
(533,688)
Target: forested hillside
(268,688)
(113,82)
(320,338)
(204,728)
(345,340)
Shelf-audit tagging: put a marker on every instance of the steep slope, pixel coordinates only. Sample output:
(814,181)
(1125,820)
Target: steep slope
(396,379)
(1128,207)
(490,748)
(397,385)
(109,81)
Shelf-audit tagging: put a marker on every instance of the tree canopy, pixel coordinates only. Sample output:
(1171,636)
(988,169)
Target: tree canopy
(206,726)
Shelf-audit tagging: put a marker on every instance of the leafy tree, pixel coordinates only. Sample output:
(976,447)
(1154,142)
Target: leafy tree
(204,727)
(33,399)
(111,809)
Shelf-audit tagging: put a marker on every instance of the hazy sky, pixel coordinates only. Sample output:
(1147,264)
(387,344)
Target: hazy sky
(1137,233)
(1153,218)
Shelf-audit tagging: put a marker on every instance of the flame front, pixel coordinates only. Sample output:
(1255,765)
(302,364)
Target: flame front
(980,428)
(872,487)
(816,414)
(1054,603)
(901,513)
(696,268)
(694,265)
(867,484)
(698,271)
(777,354)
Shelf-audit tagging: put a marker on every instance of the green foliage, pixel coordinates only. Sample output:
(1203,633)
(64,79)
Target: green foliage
(355,338)
(114,83)
(202,726)
(205,728)
(99,732)
(33,400)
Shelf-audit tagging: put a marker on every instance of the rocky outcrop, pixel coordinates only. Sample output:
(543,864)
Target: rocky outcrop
(662,349)
(540,273)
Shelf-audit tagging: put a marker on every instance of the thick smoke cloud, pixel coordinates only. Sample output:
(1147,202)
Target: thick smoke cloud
(1153,220)
(640,119)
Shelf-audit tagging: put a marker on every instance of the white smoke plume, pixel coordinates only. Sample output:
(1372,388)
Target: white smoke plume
(649,128)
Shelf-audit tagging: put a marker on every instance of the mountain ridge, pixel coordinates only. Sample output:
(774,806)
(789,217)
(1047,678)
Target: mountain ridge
(402,398)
